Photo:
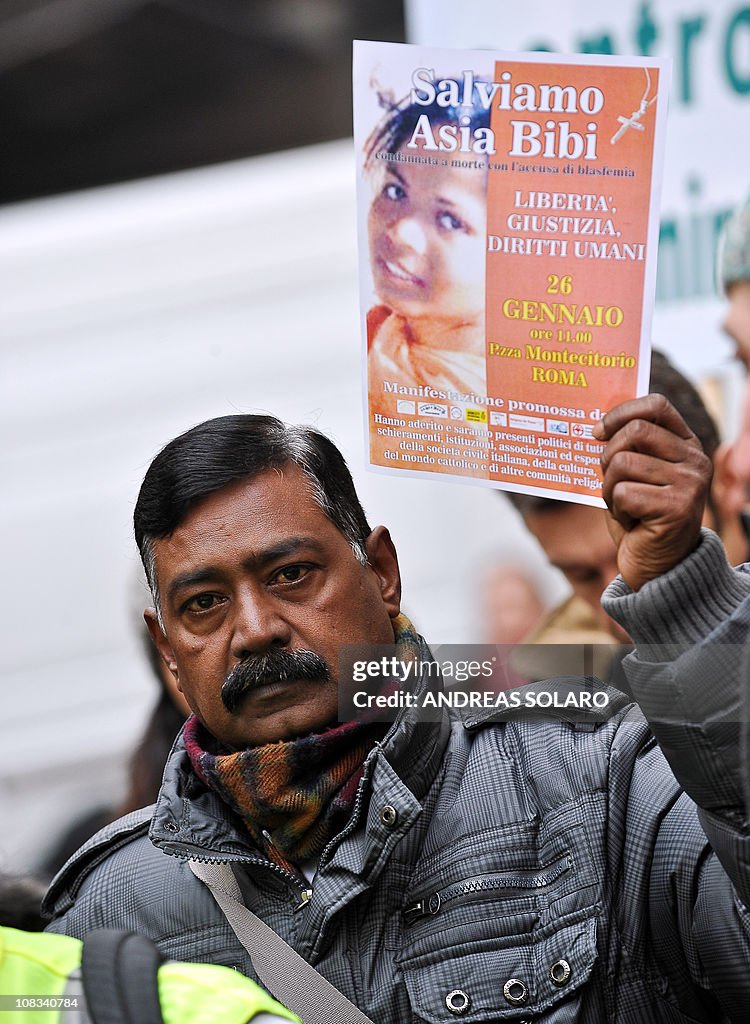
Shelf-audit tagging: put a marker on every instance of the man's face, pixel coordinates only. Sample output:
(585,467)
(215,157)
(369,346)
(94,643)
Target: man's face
(257,568)
(737,326)
(576,541)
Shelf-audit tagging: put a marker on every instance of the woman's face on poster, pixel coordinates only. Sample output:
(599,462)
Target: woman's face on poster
(427,240)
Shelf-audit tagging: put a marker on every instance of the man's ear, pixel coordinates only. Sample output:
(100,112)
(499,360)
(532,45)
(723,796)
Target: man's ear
(727,502)
(727,488)
(163,645)
(381,554)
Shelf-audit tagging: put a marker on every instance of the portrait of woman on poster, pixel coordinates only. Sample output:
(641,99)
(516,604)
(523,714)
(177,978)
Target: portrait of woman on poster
(427,239)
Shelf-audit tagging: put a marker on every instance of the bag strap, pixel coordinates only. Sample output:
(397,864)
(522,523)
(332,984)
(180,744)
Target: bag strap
(287,976)
(119,973)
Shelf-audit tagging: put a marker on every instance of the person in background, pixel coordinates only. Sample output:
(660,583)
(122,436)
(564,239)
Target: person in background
(734,278)
(21,902)
(511,605)
(577,541)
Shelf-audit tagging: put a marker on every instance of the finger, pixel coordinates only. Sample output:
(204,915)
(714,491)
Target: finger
(652,408)
(660,459)
(650,439)
(689,483)
(682,491)
(640,468)
(632,502)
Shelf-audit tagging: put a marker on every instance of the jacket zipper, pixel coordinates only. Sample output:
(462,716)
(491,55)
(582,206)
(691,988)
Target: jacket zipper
(471,888)
(304,894)
(354,817)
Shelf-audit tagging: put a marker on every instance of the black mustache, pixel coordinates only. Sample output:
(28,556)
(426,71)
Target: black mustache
(275,666)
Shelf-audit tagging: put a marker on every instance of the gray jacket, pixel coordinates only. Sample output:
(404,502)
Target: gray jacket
(494,869)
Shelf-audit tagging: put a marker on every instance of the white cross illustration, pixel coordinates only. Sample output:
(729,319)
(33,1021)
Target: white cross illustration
(630,122)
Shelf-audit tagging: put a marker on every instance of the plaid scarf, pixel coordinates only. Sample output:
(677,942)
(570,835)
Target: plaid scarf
(293,796)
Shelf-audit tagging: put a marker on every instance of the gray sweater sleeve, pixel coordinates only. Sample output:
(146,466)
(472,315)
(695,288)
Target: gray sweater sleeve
(686,605)
(690,675)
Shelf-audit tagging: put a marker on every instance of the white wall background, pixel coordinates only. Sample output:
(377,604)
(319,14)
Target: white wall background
(128,314)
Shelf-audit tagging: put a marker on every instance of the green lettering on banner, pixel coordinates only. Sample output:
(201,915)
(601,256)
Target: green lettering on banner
(689,31)
(686,252)
(597,44)
(740,83)
(646,32)
(689,53)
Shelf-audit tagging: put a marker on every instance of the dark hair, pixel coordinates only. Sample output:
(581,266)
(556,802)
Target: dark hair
(400,119)
(20,902)
(227,449)
(665,379)
(147,761)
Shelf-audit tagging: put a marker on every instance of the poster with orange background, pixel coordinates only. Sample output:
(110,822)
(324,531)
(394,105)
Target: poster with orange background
(508,225)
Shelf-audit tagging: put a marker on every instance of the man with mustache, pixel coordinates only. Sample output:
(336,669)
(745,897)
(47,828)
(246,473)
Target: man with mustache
(493,868)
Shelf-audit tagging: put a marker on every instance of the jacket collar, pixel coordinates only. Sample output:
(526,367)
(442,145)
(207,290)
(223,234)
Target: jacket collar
(191,820)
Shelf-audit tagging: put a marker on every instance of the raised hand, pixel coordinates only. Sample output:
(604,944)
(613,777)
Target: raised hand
(656,481)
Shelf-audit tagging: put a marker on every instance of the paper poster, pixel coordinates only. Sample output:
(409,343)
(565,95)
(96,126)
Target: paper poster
(508,228)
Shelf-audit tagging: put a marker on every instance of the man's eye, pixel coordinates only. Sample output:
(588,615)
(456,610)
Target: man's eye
(583,575)
(291,574)
(201,603)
